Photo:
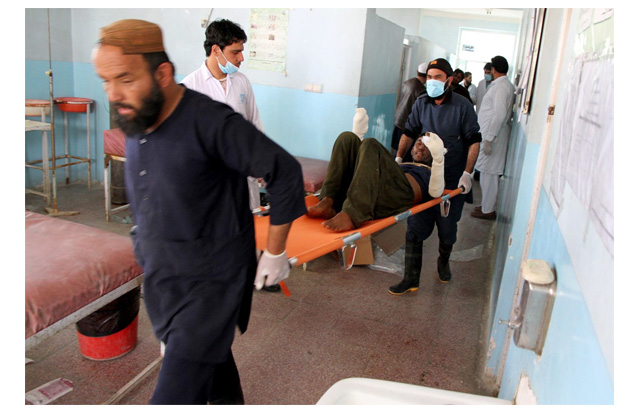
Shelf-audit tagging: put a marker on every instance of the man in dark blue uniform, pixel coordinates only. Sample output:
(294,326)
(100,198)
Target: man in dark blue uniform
(187,162)
(453,118)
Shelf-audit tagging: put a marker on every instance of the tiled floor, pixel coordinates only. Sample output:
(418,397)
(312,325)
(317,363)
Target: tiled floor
(336,324)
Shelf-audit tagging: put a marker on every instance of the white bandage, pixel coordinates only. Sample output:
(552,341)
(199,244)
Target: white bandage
(434,143)
(361,123)
(437,177)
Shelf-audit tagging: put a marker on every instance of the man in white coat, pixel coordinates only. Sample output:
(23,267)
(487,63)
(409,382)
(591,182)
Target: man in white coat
(494,118)
(218,77)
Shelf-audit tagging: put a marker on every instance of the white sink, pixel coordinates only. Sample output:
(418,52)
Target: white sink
(361,391)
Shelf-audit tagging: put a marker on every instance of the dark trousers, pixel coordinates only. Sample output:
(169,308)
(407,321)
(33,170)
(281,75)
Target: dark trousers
(421,225)
(185,382)
(365,181)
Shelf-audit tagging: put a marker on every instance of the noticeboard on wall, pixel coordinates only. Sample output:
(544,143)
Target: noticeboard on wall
(584,156)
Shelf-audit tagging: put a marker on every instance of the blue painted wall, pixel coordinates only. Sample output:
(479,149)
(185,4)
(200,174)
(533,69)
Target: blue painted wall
(304,123)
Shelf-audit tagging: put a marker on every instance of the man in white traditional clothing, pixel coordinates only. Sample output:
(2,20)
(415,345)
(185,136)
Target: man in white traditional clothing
(494,118)
(482,86)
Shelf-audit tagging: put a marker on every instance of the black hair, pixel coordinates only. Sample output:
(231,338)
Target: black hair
(223,33)
(155,59)
(500,64)
(459,71)
(488,66)
(466,74)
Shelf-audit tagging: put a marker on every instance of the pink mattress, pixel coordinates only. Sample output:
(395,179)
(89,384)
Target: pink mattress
(314,172)
(114,142)
(68,266)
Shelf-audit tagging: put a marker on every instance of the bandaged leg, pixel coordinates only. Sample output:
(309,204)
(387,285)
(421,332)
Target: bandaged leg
(490,186)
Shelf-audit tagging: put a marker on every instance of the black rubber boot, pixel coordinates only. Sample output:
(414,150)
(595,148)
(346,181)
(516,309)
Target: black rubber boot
(412,272)
(444,272)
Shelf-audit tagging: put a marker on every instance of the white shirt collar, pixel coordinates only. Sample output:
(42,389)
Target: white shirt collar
(206,74)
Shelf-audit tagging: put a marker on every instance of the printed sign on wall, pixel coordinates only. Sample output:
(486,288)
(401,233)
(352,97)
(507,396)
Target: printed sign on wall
(267,39)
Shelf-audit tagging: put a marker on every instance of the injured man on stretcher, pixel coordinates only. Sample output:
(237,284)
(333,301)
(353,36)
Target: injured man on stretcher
(364,182)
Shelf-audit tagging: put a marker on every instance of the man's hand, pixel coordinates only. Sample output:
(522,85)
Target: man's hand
(271,269)
(465,181)
(488,147)
(399,160)
(434,143)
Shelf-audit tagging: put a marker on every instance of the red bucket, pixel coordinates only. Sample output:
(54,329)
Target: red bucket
(109,347)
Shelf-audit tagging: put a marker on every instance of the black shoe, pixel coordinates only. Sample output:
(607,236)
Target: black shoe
(272,288)
(412,272)
(403,287)
(442,265)
(444,272)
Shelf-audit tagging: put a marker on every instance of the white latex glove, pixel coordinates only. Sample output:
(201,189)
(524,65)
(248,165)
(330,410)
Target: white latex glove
(271,269)
(488,147)
(465,180)
(399,160)
(434,143)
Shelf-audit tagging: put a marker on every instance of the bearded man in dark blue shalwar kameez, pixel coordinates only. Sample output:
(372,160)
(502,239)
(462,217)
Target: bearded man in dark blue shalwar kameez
(187,159)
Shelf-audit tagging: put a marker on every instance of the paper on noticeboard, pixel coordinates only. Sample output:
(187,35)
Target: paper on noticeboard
(267,39)
(584,157)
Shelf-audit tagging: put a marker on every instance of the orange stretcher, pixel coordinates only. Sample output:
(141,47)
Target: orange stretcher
(309,240)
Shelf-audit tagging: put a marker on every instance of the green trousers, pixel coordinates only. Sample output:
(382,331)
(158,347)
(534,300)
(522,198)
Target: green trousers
(365,181)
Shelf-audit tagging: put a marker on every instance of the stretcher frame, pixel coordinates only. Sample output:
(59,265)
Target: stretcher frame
(344,241)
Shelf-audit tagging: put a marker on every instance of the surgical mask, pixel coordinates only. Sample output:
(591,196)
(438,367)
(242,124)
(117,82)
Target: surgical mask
(488,77)
(229,68)
(434,88)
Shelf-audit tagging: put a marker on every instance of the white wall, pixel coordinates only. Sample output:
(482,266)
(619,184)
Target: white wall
(406,18)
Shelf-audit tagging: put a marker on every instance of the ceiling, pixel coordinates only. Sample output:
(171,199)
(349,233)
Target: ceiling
(481,13)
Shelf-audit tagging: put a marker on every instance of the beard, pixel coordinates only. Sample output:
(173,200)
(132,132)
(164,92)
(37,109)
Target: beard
(145,117)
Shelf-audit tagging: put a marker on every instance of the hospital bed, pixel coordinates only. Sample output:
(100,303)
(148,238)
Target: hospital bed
(114,149)
(313,170)
(72,270)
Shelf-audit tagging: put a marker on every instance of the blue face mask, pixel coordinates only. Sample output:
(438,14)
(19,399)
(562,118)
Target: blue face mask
(488,77)
(434,88)
(229,68)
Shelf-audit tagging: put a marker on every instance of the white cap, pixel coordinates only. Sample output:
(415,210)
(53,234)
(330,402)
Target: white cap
(361,123)
(423,68)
